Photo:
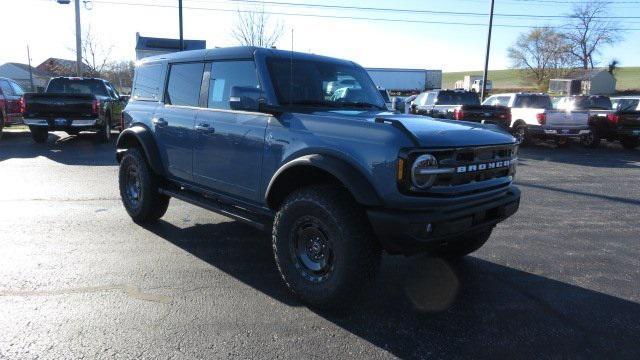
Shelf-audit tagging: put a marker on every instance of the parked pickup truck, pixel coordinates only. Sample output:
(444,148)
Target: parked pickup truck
(460,105)
(576,117)
(527,113)
(10,102)
(335,179)
(73,104)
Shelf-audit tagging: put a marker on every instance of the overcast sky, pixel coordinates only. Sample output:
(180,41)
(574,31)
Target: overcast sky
(49,29)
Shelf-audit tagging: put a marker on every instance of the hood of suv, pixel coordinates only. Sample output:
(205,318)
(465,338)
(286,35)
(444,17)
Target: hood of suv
(430,132)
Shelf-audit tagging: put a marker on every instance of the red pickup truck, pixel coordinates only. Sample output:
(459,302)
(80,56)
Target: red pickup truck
(10,100)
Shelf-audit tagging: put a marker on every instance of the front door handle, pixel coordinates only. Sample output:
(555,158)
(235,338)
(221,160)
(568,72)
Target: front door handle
(204,127)
(160,122)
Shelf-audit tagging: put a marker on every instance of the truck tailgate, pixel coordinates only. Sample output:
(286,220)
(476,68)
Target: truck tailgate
(56,105)
(567,120)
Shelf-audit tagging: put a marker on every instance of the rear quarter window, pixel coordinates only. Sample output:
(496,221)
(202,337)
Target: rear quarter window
(146,85)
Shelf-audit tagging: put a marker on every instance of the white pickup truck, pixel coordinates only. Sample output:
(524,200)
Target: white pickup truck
(527,113)
(574,118)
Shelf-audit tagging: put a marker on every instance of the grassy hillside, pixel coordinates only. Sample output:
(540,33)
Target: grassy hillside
(628,78)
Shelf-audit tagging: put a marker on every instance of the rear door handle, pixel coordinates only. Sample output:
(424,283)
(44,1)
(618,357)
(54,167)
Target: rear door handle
(160,122)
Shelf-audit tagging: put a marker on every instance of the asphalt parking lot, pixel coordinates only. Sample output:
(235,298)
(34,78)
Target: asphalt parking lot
(560,279)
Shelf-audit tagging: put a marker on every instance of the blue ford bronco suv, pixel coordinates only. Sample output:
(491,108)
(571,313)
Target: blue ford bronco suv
(265,137)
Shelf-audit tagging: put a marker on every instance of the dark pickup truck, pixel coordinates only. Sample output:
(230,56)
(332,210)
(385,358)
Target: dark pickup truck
(256,135)
(622,125)
(73,104)
(460,105)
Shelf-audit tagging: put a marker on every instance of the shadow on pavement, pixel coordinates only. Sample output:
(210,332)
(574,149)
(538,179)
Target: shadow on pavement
(423,307)
(82,149)
(606,156)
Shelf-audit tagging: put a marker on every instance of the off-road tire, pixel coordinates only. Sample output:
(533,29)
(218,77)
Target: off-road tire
(463,246)
(592,140)
(149,205)
(355,251)
(629,142)
(104,134)
(38,134)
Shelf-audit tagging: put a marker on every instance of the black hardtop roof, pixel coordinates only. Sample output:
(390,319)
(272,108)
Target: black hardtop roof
(238,52)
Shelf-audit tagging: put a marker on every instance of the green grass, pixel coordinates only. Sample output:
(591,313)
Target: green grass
(628,79)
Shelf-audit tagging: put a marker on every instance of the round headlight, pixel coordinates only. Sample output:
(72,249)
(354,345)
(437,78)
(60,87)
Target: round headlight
(421,176)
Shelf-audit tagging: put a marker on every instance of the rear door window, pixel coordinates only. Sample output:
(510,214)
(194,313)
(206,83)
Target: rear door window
(183,87)
(147,82)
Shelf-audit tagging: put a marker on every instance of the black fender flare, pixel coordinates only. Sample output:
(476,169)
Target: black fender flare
(352,178)
(140,135)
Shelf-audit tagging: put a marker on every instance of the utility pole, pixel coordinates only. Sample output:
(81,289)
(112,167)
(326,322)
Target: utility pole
(78,40)
(180,21)
(30,70)
(486,57)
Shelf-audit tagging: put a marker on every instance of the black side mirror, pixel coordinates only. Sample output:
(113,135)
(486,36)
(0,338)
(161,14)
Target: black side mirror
(245,98)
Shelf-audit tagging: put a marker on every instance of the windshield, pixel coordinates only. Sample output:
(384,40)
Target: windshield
(322,84)
(77,86)
(533,101)
(625,104)
(458,98)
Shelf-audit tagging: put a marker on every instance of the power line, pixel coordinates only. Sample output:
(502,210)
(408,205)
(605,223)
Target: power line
(341,17)
(419,11)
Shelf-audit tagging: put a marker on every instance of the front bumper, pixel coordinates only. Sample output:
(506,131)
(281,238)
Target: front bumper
(405,232)
(62,124)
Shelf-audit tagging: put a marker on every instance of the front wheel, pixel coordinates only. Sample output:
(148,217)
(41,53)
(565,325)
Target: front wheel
(139,188)
(324,247)
(629,142)
(463,246)
(39,135)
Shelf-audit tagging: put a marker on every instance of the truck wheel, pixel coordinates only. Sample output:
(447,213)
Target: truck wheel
(562,142)
(39,135)
(464,246)
(104,134)
(591,140)
(520,133)
(139,188)
(629,142)
(324,247)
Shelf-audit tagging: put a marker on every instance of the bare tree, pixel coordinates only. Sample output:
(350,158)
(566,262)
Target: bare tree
(252,28)
(95,55)
(542,52)
(589,31)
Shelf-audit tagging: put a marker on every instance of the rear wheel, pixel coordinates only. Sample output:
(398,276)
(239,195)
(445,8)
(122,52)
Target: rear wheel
(39,134)
(139,188)
(591,140)
(104,134)
(324,247)
(520,133)
(562,141)
(629,142)
(464,246)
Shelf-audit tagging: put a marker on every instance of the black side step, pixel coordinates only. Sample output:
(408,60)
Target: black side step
(260,222)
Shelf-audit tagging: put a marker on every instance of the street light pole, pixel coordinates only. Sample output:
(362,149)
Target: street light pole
(486,57)
(78,40)
(180,21)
